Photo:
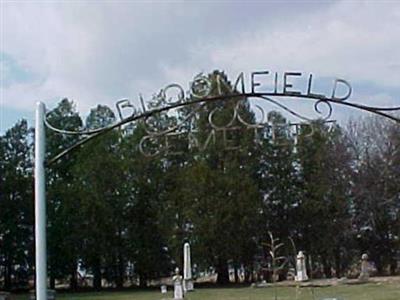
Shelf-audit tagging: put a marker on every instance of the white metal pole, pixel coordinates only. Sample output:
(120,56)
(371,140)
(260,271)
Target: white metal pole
(40,205)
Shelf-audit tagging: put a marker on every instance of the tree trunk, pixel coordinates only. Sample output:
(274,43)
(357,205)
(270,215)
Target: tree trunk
(143,280)
(120,276)
(236,274)
(248,274)
(97,276)
(379,265)
(52,281)
(223,272)
(7,276)
(338,265)
(73,281)
(393,266)
(327,268)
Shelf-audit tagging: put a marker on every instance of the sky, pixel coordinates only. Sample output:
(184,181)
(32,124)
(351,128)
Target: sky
(96,52)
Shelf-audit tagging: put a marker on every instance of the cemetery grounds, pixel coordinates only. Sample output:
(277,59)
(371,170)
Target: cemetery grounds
(380,288)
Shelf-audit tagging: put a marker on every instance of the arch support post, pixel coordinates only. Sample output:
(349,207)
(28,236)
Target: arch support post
(40,204)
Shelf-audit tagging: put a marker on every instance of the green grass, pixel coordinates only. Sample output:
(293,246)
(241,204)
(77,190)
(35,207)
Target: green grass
(384,291)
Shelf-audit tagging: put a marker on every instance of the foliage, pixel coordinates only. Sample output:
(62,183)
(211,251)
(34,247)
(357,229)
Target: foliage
(124,217)
(16,196)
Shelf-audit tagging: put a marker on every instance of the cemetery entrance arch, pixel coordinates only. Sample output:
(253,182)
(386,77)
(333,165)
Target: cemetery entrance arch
(173,97)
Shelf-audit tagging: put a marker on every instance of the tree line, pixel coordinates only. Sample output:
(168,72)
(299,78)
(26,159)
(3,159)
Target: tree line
(124,217)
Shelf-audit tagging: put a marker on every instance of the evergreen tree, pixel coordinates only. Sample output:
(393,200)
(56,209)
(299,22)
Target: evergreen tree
(16,194)
(144,189)
(216,192)
(324,208)
(63,207)
(96,179)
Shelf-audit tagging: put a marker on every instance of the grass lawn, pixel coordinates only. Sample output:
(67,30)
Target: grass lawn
(371,291)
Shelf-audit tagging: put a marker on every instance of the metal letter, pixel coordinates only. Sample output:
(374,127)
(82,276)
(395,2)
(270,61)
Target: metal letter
(124,103)
(211,137)
(229,142)
(193,142)
(169,146)
(335,87)
(200,87)
(211,122)
(289,85)
(142,141)
(240,78)
(254,84)
(309,93)
(142,102)
(180,96)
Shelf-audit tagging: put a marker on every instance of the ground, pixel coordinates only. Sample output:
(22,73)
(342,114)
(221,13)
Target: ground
(370,291)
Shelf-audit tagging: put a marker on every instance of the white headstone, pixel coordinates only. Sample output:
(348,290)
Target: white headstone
(364,275)
(164,289)
(187,269)
(178,289)
(301,270)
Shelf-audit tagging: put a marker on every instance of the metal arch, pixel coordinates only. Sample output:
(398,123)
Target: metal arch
(41,122)
(92,134)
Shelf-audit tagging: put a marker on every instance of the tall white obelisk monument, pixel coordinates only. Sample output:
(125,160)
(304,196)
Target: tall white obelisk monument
(301,267)
(187,269)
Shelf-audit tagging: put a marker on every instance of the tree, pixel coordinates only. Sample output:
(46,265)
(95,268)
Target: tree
(376,145)
(279,179)
(63,208)
(96,179)
(215,200)
(324,208)
(144,188)
(16,240)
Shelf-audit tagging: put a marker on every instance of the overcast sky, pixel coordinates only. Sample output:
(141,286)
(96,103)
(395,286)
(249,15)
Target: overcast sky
(96,52)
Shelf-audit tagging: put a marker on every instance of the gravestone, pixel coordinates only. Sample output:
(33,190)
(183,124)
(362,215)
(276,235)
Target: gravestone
(301,271)
(164,289)
(187,269)
(364,275)
(178,288)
